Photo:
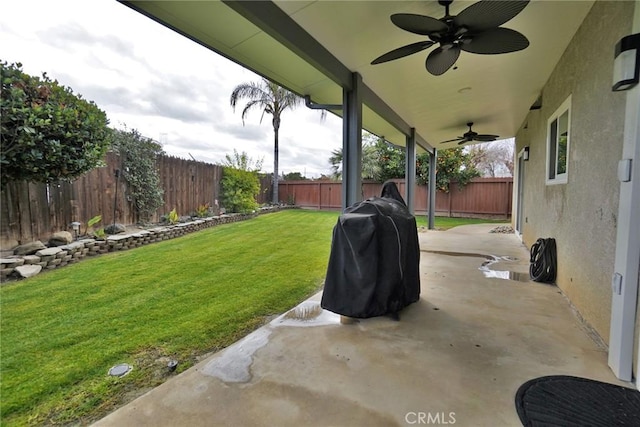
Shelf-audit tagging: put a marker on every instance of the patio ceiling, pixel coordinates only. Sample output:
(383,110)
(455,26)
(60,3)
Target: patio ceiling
(312,47)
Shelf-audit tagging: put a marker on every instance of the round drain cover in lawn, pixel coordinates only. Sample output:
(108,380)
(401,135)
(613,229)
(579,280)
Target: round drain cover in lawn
(120,370)
(561,400)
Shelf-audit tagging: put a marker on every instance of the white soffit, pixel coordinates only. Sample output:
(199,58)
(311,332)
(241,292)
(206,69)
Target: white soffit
(502,87)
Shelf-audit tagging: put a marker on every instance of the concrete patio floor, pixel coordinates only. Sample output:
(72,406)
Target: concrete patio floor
(457,356)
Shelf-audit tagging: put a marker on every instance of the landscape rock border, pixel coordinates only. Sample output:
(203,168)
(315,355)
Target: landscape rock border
(60,256)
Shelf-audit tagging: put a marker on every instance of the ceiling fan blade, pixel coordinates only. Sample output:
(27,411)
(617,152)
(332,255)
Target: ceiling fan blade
(454,140)
(489,14)
(440,60)
(464,141)
(403,51)
(485,138)
(418,24)
(495,41)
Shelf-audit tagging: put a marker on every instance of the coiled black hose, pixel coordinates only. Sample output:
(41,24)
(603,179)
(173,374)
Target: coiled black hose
(543,261)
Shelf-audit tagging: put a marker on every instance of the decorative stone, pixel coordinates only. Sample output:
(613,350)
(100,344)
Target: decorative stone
(28,270)
(503,229)
(73,246)
(7,244)
(29,248)
(11,262)
(48,251)
(31,259)
(115,228)
(111,239)
(60,238)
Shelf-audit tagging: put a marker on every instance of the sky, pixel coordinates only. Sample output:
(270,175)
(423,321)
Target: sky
(149,78)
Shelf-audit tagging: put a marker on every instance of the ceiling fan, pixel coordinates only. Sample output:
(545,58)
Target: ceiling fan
(476,30)
(472,136)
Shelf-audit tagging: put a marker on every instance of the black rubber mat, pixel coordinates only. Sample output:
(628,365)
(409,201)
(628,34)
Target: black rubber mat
(571,401)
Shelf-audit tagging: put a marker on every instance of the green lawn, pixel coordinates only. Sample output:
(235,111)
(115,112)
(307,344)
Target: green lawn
(445,223)
(62,330)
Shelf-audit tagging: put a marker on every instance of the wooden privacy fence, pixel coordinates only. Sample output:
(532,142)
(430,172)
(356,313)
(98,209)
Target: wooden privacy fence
(481,197)
(266,189)
(34,211)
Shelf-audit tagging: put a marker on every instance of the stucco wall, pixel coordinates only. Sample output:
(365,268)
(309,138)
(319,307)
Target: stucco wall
(581,214)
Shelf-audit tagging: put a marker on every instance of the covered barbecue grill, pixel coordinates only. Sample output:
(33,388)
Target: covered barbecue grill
(374,263)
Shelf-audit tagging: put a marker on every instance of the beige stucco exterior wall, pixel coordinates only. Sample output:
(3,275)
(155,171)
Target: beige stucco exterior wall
(581,214)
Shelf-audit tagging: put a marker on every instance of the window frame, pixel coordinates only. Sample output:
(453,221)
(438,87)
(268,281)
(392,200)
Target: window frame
(552,147)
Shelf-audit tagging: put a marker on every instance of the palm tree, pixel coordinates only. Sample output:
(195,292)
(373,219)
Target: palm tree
(371,162)
(271,99)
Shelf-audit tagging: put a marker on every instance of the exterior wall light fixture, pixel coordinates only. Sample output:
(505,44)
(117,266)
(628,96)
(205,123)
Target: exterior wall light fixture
(525,153)
(626,65)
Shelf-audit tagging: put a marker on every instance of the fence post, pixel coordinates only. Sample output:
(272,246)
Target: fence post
(507,197)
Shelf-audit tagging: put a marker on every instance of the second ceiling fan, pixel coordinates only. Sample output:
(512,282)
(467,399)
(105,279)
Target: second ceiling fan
(476,30)
(470,136)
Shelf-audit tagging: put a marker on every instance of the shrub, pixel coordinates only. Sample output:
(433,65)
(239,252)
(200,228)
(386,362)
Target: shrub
(48,133)
(173,217)
(139,169)
(239,190)
(98,233)
(203,210)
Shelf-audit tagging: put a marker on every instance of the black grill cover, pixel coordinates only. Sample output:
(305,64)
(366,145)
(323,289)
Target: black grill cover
(374,263)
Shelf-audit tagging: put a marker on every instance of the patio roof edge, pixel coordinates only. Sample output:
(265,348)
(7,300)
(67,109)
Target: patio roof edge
(267,16)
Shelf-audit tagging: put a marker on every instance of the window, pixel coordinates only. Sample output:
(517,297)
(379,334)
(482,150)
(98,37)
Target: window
(558,137)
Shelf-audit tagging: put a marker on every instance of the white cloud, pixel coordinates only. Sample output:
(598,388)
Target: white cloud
(156,81)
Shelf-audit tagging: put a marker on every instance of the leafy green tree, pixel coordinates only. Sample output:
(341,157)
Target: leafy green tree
(271,99)
(324,177)
(48,133)
(239,189)
(294,176)
(335,160)
(453,164)
(382,161)
(390,159)
(372,168)
(242,161)
(139,156)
